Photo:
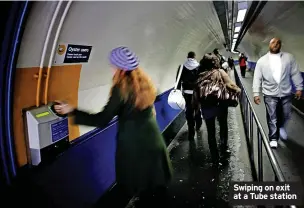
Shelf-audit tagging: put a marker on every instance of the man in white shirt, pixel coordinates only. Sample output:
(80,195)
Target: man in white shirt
(274,71)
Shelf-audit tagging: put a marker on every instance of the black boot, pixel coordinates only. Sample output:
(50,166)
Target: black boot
(198,122)
(198,126)
(215,160)
(224,146)
(191,133)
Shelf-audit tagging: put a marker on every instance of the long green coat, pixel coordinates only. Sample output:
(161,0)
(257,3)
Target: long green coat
(142,159)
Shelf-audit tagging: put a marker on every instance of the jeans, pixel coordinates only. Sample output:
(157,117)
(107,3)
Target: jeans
(192,120)
(277,113)
(210,123)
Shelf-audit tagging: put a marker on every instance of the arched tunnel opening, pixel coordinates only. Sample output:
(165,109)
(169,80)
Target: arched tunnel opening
(59,51)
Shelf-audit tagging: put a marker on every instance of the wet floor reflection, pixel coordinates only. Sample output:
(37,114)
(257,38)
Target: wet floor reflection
(197,182)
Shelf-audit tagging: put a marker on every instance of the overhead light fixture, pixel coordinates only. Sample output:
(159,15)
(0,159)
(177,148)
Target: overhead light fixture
(241,15)
(236,35)
(237,29)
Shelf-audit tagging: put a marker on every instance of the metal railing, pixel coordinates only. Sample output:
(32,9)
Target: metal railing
(250,116)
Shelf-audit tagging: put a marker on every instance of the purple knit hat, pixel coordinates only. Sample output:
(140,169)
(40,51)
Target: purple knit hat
(123,58)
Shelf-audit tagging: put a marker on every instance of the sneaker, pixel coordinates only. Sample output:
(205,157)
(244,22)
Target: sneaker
(273,144)
(283,133)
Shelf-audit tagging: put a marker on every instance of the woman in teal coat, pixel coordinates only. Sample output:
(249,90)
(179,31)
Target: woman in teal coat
(142,161)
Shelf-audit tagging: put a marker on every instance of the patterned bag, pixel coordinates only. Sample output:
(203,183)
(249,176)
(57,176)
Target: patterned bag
(213,91)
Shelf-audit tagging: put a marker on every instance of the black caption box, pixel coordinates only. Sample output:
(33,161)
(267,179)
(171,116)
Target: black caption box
(265,193)
(77,54)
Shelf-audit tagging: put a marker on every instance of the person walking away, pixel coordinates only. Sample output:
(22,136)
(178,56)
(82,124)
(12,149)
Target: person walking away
(219,56)
(274,72)
(186,83)
(213,108)
(142,161)
(242,62)
(231,62)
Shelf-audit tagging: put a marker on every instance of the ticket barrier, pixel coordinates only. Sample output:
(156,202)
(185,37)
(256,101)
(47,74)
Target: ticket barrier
(47,134)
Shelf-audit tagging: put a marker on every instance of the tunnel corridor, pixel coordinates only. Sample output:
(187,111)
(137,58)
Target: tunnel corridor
(59,50)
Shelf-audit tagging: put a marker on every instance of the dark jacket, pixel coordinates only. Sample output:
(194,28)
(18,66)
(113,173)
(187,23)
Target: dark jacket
(142,159)
(230,62)
(189,75)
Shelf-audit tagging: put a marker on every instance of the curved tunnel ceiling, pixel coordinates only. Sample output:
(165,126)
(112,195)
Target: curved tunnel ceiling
(277,19)
(161,34)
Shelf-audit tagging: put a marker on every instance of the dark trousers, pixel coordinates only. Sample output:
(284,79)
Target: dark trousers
(192,118)
(277,113)
(243,70)
(117,197)
(210,123)
(153,198)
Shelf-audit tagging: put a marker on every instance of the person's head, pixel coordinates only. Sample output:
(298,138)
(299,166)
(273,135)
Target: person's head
(215,51)
(209,62)
(275,45)
(242,55)
(131,80)
(191,55)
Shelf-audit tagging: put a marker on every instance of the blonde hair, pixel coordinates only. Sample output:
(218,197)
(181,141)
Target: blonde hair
(137,84)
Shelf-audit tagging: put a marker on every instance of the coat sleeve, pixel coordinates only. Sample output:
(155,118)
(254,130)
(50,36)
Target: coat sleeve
(257,79)
(102,118)
(229,83)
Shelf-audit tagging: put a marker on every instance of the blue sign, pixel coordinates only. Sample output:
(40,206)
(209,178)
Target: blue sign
(59,130)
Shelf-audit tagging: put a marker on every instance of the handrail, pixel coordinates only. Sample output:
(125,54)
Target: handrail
(44,52)
(53,51)
(246,104)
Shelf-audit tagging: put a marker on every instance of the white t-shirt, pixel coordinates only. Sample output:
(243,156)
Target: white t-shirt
(276,66)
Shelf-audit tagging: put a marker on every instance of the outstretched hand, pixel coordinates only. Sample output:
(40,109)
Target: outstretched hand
(63,108)
(233,87)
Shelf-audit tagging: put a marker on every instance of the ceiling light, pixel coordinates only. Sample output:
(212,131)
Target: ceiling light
(241,15)
(237,29)
(236,35)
